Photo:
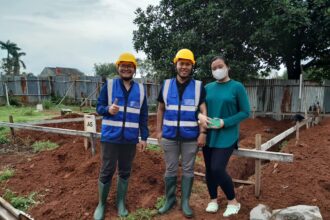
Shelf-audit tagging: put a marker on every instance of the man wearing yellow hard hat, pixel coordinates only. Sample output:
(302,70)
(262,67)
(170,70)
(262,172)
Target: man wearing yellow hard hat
(123,105)
(177,129)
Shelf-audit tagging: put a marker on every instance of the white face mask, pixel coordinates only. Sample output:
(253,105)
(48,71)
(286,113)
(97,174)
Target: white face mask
(220,74)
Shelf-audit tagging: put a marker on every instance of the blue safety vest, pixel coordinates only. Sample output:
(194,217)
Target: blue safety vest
(180,116)
(126,122)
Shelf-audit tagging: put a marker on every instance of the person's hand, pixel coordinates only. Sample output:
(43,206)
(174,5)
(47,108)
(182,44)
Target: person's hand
(114,108)
(201,140)
(203,120)
(159,136)
(142,145)
(222,123)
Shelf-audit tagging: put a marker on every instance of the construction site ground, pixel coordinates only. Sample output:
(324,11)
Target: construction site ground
(65,178)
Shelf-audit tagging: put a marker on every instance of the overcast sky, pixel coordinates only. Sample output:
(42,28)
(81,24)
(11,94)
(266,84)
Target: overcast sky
(69,33)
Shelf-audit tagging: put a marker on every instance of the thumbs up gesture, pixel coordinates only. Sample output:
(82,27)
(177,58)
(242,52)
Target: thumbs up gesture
(114,108)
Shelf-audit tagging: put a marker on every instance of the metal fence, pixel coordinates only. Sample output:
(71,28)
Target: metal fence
(265,95)
(282,96)
(32,90)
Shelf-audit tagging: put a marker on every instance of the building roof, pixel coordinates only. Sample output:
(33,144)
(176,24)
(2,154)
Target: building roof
(61,71)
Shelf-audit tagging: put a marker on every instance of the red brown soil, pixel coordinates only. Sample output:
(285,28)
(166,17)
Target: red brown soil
(66,178)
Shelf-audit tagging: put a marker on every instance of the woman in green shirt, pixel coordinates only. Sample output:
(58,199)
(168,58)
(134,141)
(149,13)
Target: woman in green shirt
(227,105)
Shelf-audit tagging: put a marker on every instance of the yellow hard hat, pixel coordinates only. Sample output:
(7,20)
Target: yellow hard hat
(184,54)
(126,57)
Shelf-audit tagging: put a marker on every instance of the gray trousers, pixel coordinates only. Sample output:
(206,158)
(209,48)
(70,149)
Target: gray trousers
(111,154)
(173,149)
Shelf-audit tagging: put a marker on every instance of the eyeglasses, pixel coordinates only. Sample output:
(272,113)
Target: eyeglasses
(126,66)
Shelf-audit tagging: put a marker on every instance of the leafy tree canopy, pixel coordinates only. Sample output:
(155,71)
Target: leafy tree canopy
(106,70)
(255,36)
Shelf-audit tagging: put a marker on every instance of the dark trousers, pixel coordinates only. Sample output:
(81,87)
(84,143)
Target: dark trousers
(113,153)
(216,160)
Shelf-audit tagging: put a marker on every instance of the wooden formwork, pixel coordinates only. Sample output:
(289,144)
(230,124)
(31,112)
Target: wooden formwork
(259,153)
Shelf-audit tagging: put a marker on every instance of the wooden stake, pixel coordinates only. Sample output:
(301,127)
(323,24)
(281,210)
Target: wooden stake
(306,117)
(93,143)
(297,133)
(87,143)
(257,168)
(11,120)
(234,180)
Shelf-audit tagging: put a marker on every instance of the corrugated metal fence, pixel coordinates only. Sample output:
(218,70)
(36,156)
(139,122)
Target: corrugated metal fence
(282,96)
(267,95)
(31,90)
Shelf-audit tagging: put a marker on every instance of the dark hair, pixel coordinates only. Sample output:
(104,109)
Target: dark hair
(220,57)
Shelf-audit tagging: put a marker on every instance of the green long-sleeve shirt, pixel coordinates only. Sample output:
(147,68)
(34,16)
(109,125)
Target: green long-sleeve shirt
(229,102)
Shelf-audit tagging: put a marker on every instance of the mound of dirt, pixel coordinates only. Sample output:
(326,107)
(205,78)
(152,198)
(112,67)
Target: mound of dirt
(69,115)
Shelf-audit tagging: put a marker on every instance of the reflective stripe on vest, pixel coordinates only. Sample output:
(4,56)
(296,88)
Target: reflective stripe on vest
(182,123)
(120,123)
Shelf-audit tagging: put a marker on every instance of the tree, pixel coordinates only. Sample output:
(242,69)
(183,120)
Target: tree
(17,62)
(292,31)
(255,36)
(12,63)
(106,70)
(146,70)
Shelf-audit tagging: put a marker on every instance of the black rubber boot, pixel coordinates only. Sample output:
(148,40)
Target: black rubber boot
(186,186)
(103,195)
(170,190)
(122,185)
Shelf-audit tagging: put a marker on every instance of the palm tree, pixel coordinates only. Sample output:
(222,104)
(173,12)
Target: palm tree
(17,62)
(10,63)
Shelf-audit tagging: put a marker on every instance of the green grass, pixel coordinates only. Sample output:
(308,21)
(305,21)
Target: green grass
(199,159)
(30,113)
(6,174)
(20,202)
(141,214)
(21,114)
(283,144)
(47,104)
(153,147)
(43,145)
(4,132)
(160,202)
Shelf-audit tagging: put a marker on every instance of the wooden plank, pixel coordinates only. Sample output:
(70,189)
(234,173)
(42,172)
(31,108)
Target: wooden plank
(278,138)
(8,212)
(252,153)
(265,146)
(46,129)
(248,182)
(58,121)
(257,185)
(264,155)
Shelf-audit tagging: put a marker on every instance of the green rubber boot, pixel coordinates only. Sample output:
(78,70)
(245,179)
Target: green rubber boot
(170,197)
(186,185)
(103,195)
(121,196)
